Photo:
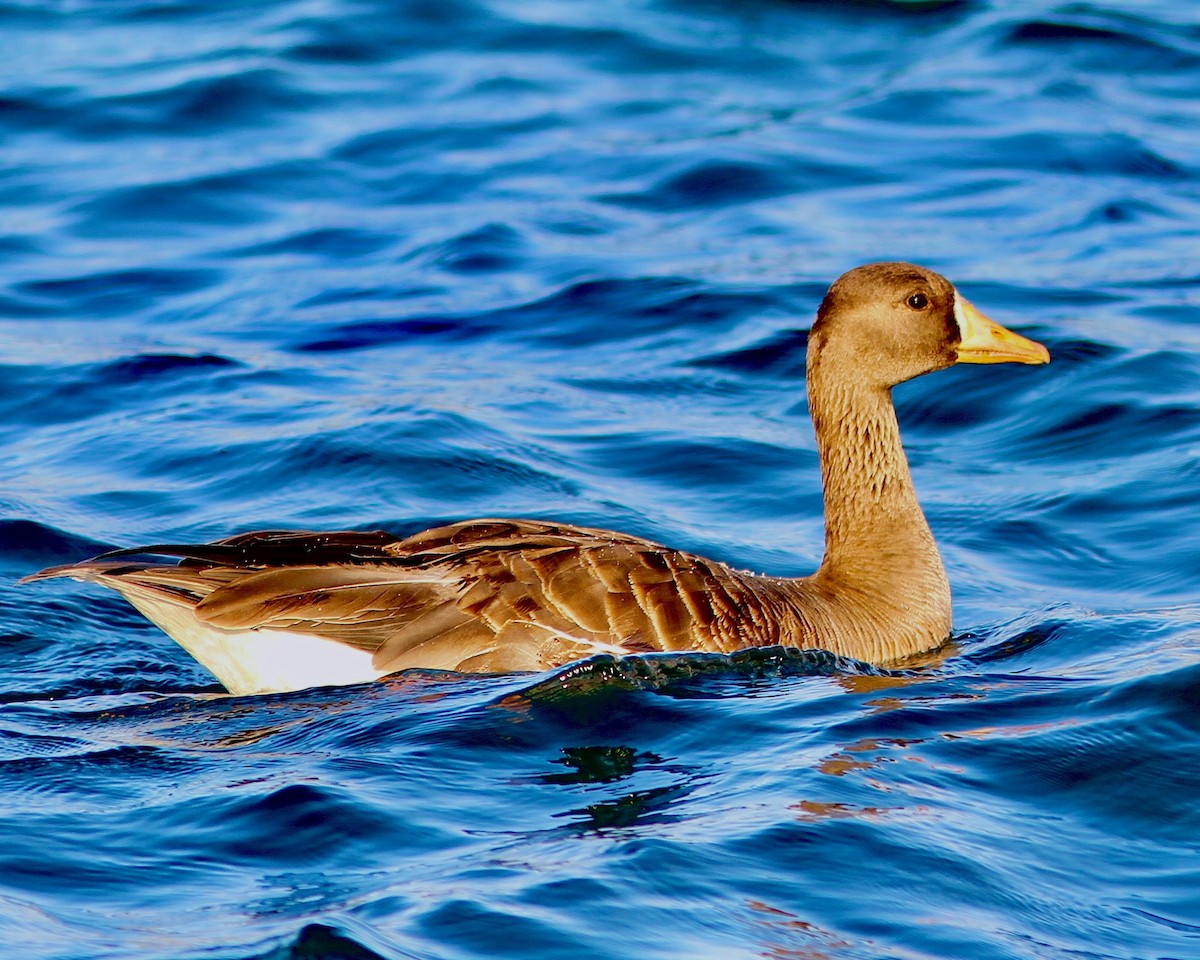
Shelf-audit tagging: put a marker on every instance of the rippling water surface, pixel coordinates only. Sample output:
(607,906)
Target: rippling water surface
(353,263)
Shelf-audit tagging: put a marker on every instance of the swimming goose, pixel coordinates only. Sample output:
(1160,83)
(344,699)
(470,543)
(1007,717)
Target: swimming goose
(283,610)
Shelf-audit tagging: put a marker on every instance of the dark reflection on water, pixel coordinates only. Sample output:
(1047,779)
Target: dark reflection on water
(361,264)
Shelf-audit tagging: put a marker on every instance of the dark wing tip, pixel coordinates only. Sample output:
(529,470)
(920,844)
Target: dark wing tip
(207,552)
(46,574)
(78,570)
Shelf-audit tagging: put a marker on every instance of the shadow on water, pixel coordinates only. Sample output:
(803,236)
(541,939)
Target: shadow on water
(688,674)
(321,941)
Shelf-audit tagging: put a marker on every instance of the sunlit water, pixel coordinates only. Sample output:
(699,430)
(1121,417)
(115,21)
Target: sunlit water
(329,264)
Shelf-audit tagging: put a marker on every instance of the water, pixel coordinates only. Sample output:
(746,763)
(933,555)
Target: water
(328,264)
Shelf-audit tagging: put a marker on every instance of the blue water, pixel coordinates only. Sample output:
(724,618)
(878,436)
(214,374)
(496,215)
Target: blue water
(354,263)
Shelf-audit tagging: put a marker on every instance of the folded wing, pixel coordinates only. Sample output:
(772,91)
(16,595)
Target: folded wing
(481,596)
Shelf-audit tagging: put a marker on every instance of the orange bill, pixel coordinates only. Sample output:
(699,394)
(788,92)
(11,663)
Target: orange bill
(985,341)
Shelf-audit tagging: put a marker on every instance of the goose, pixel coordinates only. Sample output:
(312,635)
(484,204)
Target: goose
(281,610)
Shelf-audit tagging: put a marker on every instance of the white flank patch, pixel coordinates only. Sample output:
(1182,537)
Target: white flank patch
(259,661)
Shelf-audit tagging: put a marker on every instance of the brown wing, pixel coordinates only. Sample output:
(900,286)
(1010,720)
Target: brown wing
(485,595)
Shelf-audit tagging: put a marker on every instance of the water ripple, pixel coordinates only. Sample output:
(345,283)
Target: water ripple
(357,264)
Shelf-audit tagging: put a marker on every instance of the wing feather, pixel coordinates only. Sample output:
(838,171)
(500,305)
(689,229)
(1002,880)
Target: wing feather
(489,594)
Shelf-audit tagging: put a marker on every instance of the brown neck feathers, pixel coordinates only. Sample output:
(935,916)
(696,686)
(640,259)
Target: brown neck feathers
(880,555)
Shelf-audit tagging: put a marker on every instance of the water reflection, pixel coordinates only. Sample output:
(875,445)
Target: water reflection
(589,767)
(783,935)
(631,809)
(599,764)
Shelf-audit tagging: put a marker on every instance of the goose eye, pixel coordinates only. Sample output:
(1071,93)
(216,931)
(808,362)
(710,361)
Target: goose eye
(918,301)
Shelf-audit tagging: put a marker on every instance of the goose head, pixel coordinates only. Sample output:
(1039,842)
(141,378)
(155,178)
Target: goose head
(885,323)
